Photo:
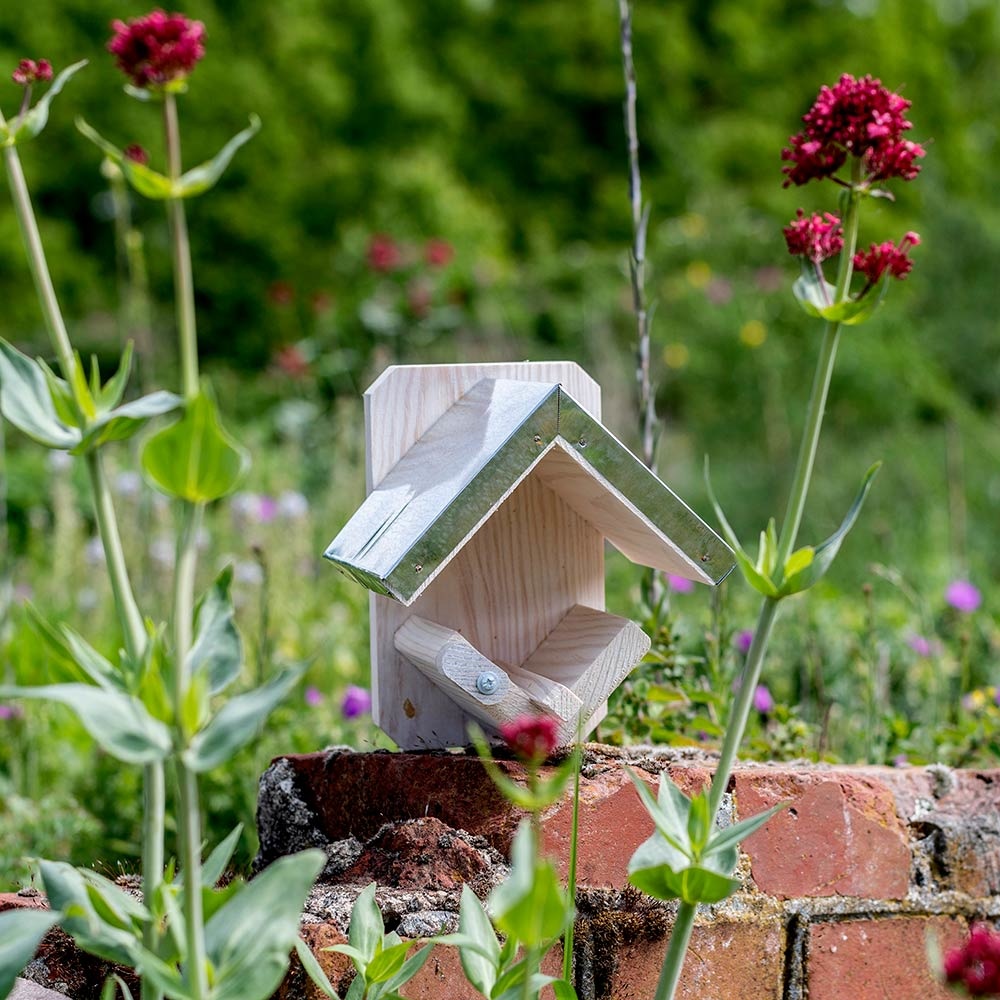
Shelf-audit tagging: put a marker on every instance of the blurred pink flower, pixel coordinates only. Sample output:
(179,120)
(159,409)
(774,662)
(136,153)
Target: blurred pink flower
(976,964)
(882,257)
(383,253)
(356,701)
(815,237)
(438,252)
(919,644)
(157,48)
(743,640)
(680,584)
(9,712)
(531,737)
(312,696)
(963,596)
(762,700)
(28,72)
(136,154)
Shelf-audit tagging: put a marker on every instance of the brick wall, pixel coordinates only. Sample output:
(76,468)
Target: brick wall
(840,890)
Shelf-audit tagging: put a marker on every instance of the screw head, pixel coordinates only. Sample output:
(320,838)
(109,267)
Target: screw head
(487,682)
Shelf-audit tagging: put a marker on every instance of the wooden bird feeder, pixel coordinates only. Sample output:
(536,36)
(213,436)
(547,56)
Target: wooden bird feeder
(491,492)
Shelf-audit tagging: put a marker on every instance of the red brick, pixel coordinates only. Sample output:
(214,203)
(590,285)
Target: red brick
(442,977)
(839,836)
(726,960)
(875,959)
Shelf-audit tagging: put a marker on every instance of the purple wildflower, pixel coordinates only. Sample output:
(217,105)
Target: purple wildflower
(762,700)
(743,640)
(313,696)
(680,584)
(919,644)
(356,701)
(963,596)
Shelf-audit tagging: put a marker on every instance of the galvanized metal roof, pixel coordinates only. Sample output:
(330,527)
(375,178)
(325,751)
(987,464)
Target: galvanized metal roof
(475,455)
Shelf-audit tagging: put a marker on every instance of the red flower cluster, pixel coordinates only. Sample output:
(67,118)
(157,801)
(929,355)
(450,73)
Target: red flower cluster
(976,965)
(28,72)
(383,253)
(157,48)
(882,257)
(853,118)
(531,737)
(815,237)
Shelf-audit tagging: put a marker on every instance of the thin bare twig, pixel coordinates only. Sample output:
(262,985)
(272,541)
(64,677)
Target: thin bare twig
(637,258)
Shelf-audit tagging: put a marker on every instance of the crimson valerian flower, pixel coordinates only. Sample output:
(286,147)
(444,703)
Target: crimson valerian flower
(855,117)
(531,737)
(28,72)
(136,154)
(976,965)
(157,48)
(384,254)
(889,257)
(815,237)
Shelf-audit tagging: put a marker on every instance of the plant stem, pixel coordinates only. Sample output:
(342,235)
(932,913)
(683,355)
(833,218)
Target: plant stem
(736,726)
(183,281)
(189,820)
(194,923)
(38,266)
(637,263)
(574,843)
(680,935)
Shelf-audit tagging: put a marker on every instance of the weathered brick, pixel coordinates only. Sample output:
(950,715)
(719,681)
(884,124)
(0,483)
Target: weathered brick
(840,834)
(726,960)
(875,959)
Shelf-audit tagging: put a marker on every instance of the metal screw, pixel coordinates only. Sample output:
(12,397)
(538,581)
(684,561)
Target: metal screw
(537,439)
(582,442)
(705,557)
(418,567)
(487,682)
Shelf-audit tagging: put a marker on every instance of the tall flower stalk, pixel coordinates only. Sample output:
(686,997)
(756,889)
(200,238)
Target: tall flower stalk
(159,703)
(853,137)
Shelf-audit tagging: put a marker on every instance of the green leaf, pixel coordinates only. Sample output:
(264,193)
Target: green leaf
(366,928)
(767,556)
(21,932)
(66,889)
(108,397)
(406,971)
(660,871)
(759,581)
(314,970)
(249,939)
(215,864)
(530,905)
(126,420)
(22,129)
(827,551)
(217,649)
(75,657)
(814,295)
(818,299)
(798,561)
(118,722)
(725,839)
(238,721)
(146,181)
(195,459)
(563,990)
(200,179)
(699,823)
(387,962)
(668,811)
(481,961)
(26,401)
